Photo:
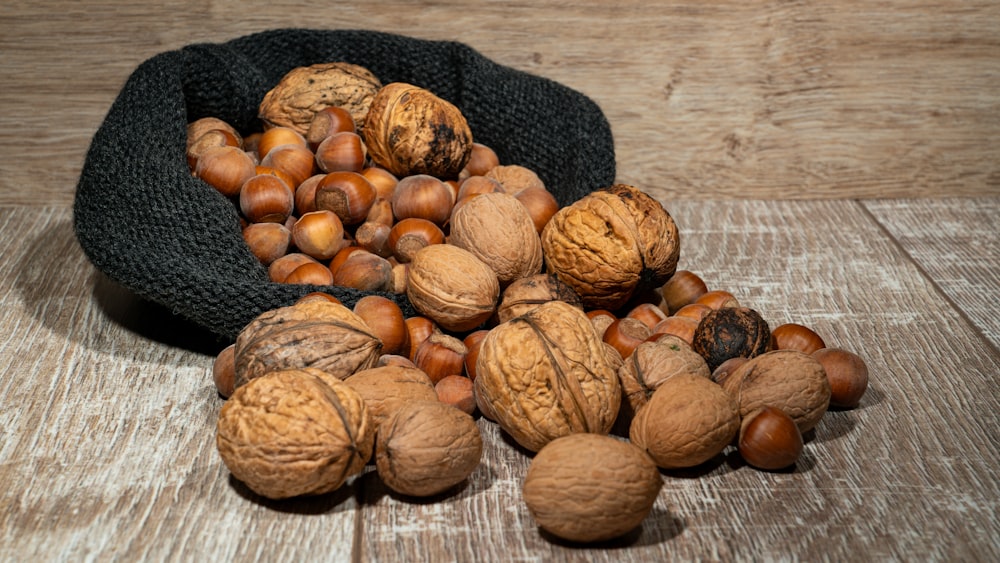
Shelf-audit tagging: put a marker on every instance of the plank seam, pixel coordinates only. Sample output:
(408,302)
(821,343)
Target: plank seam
(930,279)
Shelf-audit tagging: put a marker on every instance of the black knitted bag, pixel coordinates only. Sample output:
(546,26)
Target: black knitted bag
(146,223)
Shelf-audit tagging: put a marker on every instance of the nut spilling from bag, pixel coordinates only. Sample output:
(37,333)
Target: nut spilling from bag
(570,328)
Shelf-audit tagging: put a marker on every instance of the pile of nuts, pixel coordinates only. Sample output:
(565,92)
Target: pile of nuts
(564,326)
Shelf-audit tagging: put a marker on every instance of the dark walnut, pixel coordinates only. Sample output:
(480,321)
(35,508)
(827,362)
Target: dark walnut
(784,379)
(731,332)
(409,130)
(588,488)
(304,91)
(294,432)
(313,333)
(611,244)
(545,374)
(527,293)
(427,447)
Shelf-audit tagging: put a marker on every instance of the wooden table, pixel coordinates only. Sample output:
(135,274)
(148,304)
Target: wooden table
(833,164)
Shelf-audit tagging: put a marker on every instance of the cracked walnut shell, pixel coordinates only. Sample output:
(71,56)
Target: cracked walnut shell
(545,374)
(610,244)
(304,91)
(315,333)
(294,432)
(588,487)
(409,130)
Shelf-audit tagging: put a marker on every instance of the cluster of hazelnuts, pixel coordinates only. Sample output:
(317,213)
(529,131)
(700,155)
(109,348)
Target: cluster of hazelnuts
(316,210)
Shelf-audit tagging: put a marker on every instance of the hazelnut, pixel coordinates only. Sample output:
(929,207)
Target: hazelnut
(473,341)
(457,391)
(266,199)
(267,241)
(277,136)
(199,127)
(440,355)
(409,236)
(209,139)
(683,327)
(792,336)
(602,319)
(625,333)
(385,318)
(224,371)
(696,311)
(280,268)
(477,185)
(847,374)
(718,299)
(481,159)
(769,439)
(341,152)
(326,122)
(385,182)
(310,273)
(541,206)
(348,194)
(683,288)
(225,168)
(648,313)
(296,160)
(424,197)
(364,271)
(305,194)
(319,234)
(418,329)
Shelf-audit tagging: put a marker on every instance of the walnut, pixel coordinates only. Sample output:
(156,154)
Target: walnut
(514,178)
(409,130)
(652,363)
(529,292)
(688,420)
(588,488)
(545,374)
(498,230)
(313,333)
(610,244)
(294,432)
(427,447)
(306,90)
(385,389)
(452,287)
(788,380)
(730,332)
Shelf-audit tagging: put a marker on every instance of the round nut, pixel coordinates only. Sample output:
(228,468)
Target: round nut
(452,287)
(652,363)
(426,448)
(611,243)
(385,389)
(588,487)
(315,333)
(688,420)
(730,332)
(545,374)
(294,432)
(497,229)
(529,292)
(304,91)
(784,379)
(409,130)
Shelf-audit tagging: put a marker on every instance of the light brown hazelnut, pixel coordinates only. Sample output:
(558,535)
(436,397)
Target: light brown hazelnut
(209,139)
(649,314)
(267,241)
(625,333)
(319,234)
(225,168)
(457,391)
(266,199)
(683,288)
(329,121)
(792,336)
(348,194)
(384,181)
(224,371)
(769,439)
(424,197)
(440,355)
(310,273)
(718,299)
(481,159)
(364,271)
(280,268)
(541,206)
(847,374)
(277,136)
(385,318)
(409,236)
(419,329)
(305,194)
(341,152)
(374,237)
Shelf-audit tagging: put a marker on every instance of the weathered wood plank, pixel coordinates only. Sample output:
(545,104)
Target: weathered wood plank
(957,244)
(706,100)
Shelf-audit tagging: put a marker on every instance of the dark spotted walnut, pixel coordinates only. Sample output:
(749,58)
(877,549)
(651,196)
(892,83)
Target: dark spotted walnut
(731,332)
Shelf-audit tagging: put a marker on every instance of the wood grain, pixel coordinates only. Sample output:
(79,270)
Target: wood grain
(768,99)
(107,439)
(956,242)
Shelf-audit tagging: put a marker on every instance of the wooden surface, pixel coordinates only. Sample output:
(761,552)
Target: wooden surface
(833,164)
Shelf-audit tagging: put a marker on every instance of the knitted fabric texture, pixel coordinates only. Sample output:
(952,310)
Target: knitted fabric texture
(145,222)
